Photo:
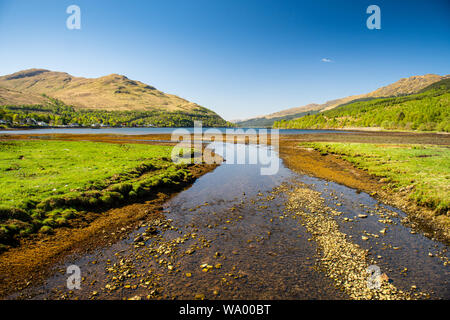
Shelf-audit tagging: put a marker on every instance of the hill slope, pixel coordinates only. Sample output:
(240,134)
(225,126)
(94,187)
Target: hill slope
(110,94)
(428,110)
(14,97)
(266,122)
(402,87)
(114,92)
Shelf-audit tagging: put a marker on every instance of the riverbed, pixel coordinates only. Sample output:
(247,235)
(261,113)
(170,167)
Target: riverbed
(229,236)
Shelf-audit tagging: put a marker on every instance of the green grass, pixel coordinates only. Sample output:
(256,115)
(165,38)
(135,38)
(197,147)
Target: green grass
(44,184)
(423,169)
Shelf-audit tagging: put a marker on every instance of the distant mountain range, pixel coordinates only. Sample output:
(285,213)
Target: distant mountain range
(109,93)
(404,86)
(426,110)
(58,98)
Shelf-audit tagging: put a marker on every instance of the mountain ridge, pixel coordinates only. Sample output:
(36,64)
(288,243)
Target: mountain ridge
(112,92)
(426,110)
(403,86)
(33,96)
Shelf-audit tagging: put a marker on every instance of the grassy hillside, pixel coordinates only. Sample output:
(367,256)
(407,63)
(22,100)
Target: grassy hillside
(14,97)
(268,122)
(110,100)
(402,87)
(113,92)
(428,110)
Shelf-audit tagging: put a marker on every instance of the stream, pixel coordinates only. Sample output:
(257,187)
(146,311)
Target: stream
(226,237)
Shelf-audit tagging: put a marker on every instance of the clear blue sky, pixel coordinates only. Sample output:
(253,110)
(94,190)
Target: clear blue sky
(240,58)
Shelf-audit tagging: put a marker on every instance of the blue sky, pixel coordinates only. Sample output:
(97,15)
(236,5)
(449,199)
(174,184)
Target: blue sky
(240,58)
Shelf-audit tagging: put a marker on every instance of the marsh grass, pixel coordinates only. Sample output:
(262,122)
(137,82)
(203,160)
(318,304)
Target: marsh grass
(45,184)
(421,170)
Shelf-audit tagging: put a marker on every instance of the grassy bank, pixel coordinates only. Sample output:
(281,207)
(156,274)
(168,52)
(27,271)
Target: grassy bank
(46,184)
(421,171)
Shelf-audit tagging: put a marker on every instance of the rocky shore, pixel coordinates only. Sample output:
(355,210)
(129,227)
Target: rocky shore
(341,259)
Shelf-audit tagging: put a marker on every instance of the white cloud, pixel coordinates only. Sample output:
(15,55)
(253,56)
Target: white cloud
(326,60)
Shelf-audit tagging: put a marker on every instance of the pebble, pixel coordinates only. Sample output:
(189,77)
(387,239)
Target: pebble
(199,296)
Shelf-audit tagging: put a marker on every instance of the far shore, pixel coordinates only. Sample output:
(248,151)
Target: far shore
(349,129)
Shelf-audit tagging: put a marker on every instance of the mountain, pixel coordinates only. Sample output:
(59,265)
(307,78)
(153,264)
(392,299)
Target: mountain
(426,110)
(113,92)
(291,111)
(13,97)
(407,86)
(109,94)
(402,87)
(268,122)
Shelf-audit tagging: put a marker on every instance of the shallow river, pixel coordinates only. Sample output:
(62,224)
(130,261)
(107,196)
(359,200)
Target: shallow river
(223,238)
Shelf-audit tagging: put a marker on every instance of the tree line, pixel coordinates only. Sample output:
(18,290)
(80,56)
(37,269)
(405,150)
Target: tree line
(56,113)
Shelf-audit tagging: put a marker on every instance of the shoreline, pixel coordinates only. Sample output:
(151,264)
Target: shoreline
(311,162)
(296,158)
(34,262)
(35,257)
(332,168)
(355,130)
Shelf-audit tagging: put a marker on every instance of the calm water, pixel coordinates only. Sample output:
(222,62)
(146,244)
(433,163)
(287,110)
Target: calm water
(142,131)
(236,211)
